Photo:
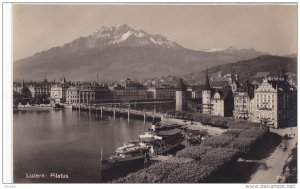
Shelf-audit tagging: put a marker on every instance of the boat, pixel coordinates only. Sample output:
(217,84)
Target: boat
(160,126)
(128,154)
(68,106)
(58,107)
(136,152)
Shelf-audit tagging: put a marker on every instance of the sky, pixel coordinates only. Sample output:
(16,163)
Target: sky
(268,28)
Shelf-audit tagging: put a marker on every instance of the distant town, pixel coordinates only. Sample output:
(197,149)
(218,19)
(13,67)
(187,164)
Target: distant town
(268,100)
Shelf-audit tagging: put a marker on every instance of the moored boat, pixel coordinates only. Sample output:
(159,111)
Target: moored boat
(137,152)
(58,107)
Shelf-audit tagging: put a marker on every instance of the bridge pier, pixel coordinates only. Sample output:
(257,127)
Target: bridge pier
(128,114)
(114,113)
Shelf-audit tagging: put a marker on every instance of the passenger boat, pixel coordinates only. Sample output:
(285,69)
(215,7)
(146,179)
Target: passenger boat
(160,142)
(128,154)
(137,152)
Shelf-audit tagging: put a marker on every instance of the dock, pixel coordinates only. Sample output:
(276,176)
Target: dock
(159,158)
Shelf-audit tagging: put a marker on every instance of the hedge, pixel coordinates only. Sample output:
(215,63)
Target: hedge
(198,163)
(193,152)
(221,141)
(178,171)
(213,120)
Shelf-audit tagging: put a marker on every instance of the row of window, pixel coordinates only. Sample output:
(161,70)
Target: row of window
(265,96)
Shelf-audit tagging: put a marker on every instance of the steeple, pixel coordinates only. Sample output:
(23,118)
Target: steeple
(23,83)
(45,78)
(64,79)
(207,85)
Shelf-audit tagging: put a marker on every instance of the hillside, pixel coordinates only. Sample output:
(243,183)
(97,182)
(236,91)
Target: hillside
(249,68)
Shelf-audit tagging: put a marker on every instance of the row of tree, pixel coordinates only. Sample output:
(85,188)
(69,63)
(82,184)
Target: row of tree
(199,163)
(25,97)
(211,120)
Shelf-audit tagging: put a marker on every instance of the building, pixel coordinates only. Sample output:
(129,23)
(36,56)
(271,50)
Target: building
(130,91)
(222,102)
(181,96)
(58,91)
(93,93)
(72,95)
(164,92)
(272,103)
(194,91)
(206,97)
(217,101)
(42,89)
(242,98)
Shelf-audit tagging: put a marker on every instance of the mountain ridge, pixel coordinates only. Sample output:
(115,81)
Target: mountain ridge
(121,51)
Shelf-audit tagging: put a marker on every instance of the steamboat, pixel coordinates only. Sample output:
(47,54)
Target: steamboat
(156,141)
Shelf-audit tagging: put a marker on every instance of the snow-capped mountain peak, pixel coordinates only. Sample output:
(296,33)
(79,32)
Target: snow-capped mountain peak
(213,50)
(123,35)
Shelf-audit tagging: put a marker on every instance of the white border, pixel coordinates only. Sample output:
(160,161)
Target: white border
(6,114)
(7,95)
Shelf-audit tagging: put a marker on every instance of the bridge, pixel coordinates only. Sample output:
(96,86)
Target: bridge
(118,111)
(122,102)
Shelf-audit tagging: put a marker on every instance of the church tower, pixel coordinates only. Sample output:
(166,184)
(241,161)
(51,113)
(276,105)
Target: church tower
(236,84)
(206,96)
(181,96)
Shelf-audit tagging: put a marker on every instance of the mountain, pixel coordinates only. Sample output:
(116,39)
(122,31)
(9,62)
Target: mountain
(245,53)
(119,52)
(247,69)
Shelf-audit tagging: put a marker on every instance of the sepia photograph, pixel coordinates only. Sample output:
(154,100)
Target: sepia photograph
(154,93)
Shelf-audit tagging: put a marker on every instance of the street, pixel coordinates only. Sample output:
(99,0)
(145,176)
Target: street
(272,166)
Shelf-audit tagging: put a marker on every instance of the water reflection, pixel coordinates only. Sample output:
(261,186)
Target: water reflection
(67,142)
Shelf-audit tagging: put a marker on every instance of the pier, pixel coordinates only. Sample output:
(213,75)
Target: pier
(118,111)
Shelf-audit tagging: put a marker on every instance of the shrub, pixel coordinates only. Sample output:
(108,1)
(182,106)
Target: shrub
(233,132)
(192,172)
(175,170)
(194,152)
(254,132)
(219,156)
(218,141)
(242,144)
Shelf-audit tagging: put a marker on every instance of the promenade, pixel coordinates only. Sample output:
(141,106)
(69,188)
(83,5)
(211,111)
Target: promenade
(273,165)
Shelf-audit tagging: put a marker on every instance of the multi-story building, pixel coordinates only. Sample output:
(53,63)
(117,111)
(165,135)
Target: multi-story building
(94,93)
(166,92)
(42,89)
(242,99)
(222,102)
(217,101)
(130,91)
(58,91)
(72,96)
(272,102)
(194,91)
